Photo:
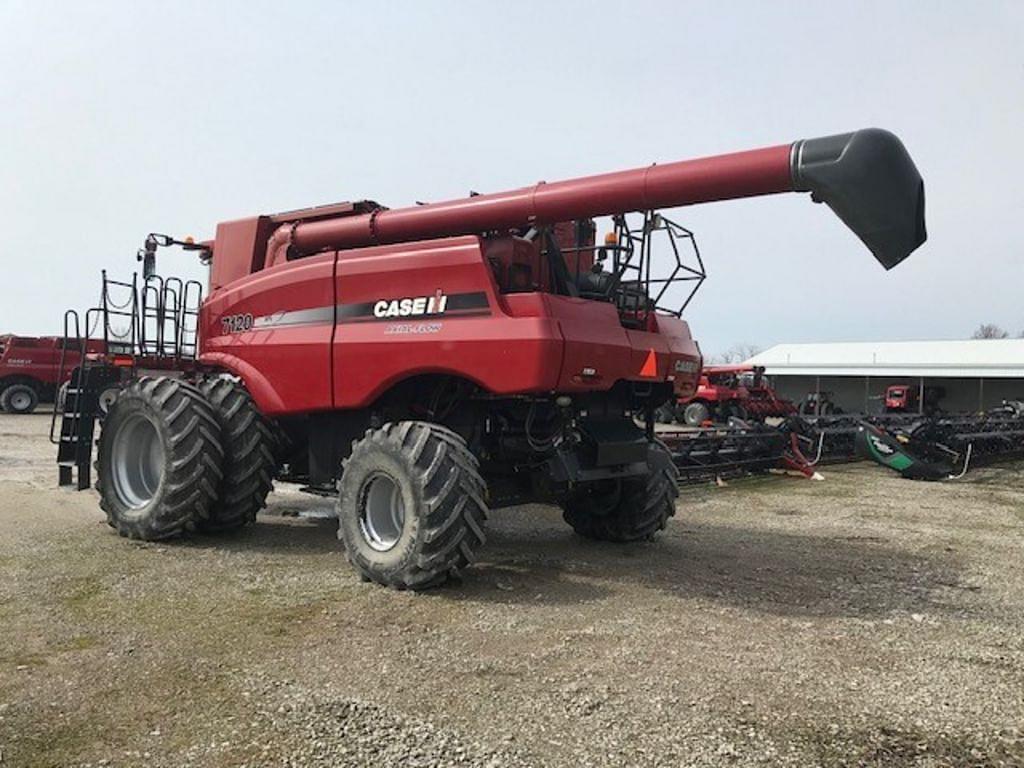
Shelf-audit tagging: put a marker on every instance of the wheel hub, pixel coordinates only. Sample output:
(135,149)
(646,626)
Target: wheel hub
(137,457)
(381,512)
(107,398)
(20,401)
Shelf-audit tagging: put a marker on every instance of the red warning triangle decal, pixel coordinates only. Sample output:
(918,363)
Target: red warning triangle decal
(650,369)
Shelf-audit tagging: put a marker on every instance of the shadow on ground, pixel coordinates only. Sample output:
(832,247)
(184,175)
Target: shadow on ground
(531,557)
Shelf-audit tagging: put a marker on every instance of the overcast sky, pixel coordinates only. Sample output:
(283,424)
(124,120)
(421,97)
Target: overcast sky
(121,119)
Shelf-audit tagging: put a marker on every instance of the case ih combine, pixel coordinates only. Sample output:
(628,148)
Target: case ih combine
(31,368)
(435,361)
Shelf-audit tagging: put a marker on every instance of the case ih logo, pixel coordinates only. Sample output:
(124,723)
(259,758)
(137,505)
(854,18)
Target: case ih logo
(412,307)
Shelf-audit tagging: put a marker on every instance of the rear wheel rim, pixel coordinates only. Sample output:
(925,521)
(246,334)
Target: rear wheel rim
(381,512)
(20,401)
(137,459)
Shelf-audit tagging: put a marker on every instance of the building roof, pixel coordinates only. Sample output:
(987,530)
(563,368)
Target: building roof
(987,358)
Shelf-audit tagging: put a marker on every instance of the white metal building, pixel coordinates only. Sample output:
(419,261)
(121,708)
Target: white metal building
(975,374)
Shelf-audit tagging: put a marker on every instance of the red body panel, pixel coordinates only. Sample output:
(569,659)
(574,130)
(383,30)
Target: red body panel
(308,339)
(287,366)
(486,345)
(38,358)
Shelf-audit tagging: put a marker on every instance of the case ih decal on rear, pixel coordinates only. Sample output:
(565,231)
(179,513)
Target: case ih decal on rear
(440,303)
(418,305)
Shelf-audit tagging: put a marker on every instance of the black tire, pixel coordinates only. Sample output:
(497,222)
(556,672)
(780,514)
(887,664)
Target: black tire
(433,497)
(248,468)
(159,459)
(628,510)
(61,402)
(19,399)
(734,411)
(695,414)
(665,413)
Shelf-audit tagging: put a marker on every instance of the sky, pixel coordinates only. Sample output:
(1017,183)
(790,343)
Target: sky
(119,119)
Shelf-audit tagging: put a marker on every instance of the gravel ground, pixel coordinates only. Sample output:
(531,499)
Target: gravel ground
(863,620)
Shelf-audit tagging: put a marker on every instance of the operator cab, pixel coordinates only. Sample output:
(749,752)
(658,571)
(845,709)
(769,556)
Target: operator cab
(643,267)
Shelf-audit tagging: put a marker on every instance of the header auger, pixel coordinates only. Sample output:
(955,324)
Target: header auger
(432,362)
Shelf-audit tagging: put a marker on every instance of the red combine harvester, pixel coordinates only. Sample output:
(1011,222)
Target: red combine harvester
(436,361)
(740,391)
(31,370)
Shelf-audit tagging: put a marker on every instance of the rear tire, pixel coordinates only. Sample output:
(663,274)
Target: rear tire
(411,505)
(249,464)
(159,459)
(634,510)
(695,414)
(19,399)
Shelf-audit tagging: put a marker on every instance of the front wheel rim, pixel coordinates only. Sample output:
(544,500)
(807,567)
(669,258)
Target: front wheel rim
(137,461)
(20,401)
(381,512)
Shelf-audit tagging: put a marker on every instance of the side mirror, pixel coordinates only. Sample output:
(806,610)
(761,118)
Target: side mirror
(147,255)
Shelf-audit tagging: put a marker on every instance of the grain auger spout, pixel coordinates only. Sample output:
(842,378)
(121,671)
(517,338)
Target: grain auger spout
(866,177)
(869,180)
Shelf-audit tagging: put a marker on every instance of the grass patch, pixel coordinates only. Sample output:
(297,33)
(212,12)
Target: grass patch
(30,659)
(896,748)
(117,720)
(279,621)
(81,592)
(77,643)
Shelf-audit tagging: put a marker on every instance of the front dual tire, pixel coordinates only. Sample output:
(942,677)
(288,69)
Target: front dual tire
(176,457)
(160,460)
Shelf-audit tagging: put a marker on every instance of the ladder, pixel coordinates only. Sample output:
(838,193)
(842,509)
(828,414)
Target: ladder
(78,422)
(156,326)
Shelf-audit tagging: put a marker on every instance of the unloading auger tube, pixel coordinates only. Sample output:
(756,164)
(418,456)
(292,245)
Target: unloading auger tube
(866,177)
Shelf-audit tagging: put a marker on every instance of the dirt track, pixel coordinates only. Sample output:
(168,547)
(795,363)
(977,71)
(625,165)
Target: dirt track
(860,620)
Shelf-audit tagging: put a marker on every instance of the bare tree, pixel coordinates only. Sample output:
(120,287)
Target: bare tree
(989,331)
(737,353)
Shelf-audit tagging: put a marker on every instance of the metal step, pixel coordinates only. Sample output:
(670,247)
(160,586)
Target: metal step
(77,427)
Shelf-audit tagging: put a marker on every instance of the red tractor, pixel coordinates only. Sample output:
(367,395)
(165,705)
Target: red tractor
(434,362)
(906,398)
(740,391)
(30,369)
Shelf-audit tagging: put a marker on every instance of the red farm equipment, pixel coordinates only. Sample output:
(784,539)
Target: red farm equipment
(726,391)
(906,398)
(432,362)
(31,369)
